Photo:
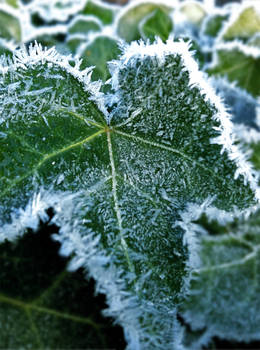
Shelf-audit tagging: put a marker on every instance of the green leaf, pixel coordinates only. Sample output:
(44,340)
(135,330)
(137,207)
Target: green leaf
(97,53)
(193,11)
(157,23)
(117,181)
(243,24)
(13,3)
(42,305)
(213,24)
(130,20)
(83,25)
(10,27)
(225,283)
(103,11)
(239,63)
(79,30)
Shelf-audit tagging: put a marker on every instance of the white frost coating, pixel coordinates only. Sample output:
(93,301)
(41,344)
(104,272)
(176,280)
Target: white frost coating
(46,30)
(30,216)
(10,10)
(9,45)
(36,54)
(236,12)
(159,50)
(49,10)
(247,50)
(246,134)
(83,243)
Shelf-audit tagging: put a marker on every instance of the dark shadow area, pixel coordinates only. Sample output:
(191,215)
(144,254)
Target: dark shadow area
(62,306)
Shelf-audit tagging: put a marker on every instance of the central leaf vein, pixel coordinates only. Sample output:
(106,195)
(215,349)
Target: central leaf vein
(116,204)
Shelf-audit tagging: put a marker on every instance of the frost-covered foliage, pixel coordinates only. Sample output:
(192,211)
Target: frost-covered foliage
(149,166)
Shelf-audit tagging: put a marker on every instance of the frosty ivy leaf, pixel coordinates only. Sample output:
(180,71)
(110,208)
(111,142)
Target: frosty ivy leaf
(44,305)
(117,180)
(213,24)
(242,105)
(79,29)
(193,11)
(244,23)
(157,23)
(97,53)
(13,3)
(104,12)
(10,27)
(130,20)
(225,283)
(239,63)
(84,24)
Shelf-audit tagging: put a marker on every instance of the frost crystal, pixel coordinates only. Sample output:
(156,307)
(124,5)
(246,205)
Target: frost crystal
(119,180)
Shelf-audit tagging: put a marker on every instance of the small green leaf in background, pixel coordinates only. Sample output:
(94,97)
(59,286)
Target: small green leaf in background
(213,24)
(43,306)
(13,3)
(129,21)
(157,23)
(97,53)
(193,11)
(103,11)
(239,63)
(78,31)
(10,27)
(245,25)
(83,25)
(225,286)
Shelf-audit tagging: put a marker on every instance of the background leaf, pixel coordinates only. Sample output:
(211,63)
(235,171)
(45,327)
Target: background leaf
(224,288)
(239,63)
(130,19)
(43,306)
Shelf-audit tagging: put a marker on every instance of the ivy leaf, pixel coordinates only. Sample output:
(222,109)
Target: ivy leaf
(243,24)
(157,23)
(10,27)
(13,3)
(130,20)
(97,52)
(103,11)
(242,105)
(117,181)
(79,29)
(43,304)
(213,23)
(83,25)
(224,288)
(240,63)
(194,12)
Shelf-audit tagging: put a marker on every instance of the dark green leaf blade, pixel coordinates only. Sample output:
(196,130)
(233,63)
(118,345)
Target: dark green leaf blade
(130,18)
(240,63)
(158,23)
(110,179)
(43,306)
